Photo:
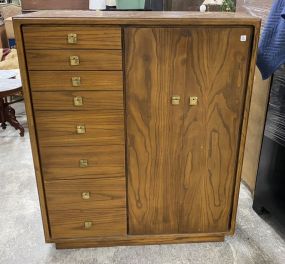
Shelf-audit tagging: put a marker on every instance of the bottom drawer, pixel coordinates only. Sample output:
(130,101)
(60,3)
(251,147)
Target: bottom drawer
(86,224)
(87,208)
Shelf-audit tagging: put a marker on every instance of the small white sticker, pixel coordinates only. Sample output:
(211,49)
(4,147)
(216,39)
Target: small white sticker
(243,38)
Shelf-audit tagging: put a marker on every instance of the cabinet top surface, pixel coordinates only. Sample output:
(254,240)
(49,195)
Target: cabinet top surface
(136,18)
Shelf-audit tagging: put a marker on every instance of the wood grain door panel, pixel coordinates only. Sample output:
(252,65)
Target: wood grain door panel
(182,166)
(212,130)
(154,127)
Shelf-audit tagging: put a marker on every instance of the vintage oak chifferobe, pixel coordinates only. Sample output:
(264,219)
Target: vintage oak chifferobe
(137,122)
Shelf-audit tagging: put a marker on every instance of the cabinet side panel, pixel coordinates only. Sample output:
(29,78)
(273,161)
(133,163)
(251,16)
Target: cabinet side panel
(217,75)
(153,59)
(32,128)
(251,75)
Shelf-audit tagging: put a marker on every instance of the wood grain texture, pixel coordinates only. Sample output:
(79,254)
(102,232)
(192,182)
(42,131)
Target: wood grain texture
(106,208)
(89,80)
(187,186)
(251,73)
(32,130)
(55,37)
(59,128)
(154,127)
(155,18)
(259,102)
(105,222)
(63,162)
(60,60)
(212,130)
(98,100)
(108,193)
(136,240)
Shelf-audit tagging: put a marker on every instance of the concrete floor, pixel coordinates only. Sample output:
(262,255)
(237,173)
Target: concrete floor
(257,240)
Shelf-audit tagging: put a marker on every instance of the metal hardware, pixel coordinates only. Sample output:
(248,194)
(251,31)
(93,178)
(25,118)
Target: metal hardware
(83,163)
(175,100)
(80,129)
(78,101)
(87,224)
(75,81)
(72,38)
(85,195)
(243,38)
(193,101)
(74,60)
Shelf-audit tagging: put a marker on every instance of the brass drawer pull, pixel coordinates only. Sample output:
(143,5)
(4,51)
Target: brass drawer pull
(76,81)
(74,60)
(72,38)
(83,163)
(78,101)
(80,129)
(88,224)
(175,100)
(85,195)
(193,101)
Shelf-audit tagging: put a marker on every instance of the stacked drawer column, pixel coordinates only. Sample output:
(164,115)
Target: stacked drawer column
(76,82)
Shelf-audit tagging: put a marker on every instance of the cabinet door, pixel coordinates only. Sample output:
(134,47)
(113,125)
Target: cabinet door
(154,58)
(181,159)
(217,73)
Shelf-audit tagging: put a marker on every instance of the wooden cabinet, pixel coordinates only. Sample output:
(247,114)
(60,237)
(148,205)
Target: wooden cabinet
(140,139)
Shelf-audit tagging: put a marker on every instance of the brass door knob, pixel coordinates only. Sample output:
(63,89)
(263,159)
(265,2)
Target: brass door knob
(85,195)
(83,163)
(80,129)
(88,224)
(74,60)
(72,38)
(78,101)
(193,100)
(175,100)
(76,81)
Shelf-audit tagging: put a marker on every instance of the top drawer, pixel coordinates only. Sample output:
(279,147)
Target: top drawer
(77,37)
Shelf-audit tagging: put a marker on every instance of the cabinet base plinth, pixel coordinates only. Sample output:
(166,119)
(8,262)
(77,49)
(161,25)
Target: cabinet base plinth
(136,241)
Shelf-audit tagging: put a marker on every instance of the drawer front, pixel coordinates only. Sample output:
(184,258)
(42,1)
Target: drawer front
(78,101)
(84,208)
(108,193)
(74,60)
(83,162)
(88,223)
(41,37)
(76,80)
(67,128)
